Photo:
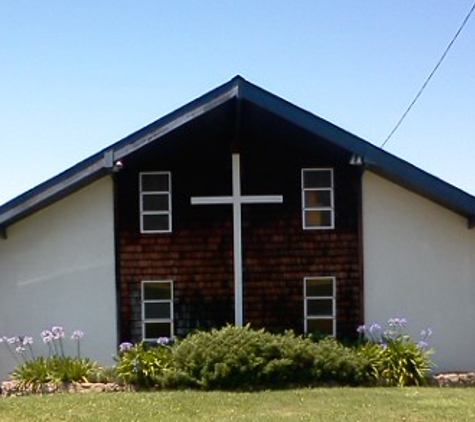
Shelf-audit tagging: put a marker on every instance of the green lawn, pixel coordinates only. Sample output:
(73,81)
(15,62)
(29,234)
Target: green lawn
(325,404)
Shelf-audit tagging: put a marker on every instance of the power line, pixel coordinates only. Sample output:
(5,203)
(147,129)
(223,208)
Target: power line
(430,76)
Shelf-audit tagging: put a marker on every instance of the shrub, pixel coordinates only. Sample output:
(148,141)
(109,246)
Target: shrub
(241,358)
(396,359)
(142,364)
(338,364)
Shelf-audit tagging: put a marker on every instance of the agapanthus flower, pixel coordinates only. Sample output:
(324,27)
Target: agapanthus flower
(58,332)
(20,350)
(47,336)
(27,340)
(426,333)
(123,347)
(13,340)
(374,327)
(361,329)
(77,335)
(422,344)
(163,341)
(397,322)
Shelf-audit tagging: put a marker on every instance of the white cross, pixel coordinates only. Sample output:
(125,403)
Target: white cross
(236,200)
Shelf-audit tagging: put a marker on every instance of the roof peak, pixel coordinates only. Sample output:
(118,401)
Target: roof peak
(375,159)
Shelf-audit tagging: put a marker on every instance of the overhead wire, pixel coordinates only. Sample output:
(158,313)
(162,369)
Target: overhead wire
(424,85)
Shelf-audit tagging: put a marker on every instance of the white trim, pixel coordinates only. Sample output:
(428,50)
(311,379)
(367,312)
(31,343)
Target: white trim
(330,209)
(168,193)
(332,317)
(144,301)
(236,200)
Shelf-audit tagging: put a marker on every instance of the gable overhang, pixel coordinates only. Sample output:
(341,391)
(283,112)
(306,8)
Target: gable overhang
(241,100)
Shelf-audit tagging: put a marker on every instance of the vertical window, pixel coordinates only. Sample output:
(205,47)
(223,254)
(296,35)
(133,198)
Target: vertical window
(320,305)
(155,202)
(317,199)
(157,309)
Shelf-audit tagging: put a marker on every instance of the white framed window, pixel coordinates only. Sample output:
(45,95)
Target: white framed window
(155,202)
(318,199)
(157,309)
(320,305)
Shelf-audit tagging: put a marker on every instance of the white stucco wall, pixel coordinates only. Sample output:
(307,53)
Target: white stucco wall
(57,267)
(419,263)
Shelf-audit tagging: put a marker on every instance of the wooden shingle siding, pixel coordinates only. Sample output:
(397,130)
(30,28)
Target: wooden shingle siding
(277,253)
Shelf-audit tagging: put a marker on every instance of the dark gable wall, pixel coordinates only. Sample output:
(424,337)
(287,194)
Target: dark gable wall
(277,252)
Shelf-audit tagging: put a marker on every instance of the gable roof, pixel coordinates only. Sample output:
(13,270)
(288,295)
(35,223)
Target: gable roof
(239,93)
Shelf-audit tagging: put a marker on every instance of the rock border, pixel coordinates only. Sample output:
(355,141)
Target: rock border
(14,388)
(454,379)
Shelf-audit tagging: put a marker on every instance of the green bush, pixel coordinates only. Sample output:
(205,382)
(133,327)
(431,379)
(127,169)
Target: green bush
(396,359)
(142,364)
(338,364)
(242,358)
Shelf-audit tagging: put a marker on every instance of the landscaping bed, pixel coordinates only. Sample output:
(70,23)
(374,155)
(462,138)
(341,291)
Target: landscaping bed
(230,358)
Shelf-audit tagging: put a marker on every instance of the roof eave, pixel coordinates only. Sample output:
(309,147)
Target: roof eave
(99,164)
(375,159)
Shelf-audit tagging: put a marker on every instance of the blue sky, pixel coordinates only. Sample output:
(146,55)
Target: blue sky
(76,76)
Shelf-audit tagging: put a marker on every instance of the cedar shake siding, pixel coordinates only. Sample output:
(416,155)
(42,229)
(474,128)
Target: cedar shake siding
(277,252)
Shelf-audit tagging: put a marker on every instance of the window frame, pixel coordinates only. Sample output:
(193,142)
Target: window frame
(144,301)
(143,194)
(309,298)
(330,208)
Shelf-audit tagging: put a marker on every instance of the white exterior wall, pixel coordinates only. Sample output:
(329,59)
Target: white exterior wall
(57,267)
(419,263)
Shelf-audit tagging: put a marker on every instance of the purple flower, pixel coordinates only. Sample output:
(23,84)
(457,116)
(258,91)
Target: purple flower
(163,341)
(77,335)
(58,332)
(27,340)
(123,347)
(47,336)
(20,350)
(422,344)
(13,340)
(397,322)
(374,327)
(426,333)
(361,329)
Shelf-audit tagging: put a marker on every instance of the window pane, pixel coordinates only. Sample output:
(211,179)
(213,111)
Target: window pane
(157,329)
(320,307)
(158,310)
(319,287)
(155,183)
(317,198)
(318,218)
(155,202)
(321,326)
(156,222)
(157,291)
(317,179)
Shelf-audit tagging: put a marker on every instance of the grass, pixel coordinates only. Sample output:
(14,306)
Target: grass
(321,404)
